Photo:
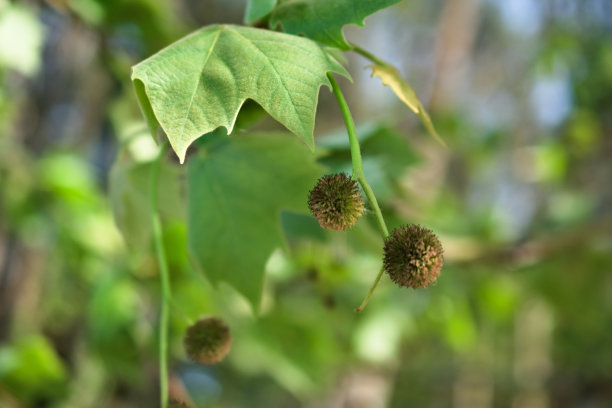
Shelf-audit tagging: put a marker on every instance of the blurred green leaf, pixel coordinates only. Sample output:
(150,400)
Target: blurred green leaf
(89,10)
(69,177)
(145,23)
(129,193)
(113,316)
(386,155)
(378,336)
(31,369)
(378,141)
(323,20)
(294,351)
(256,9)
(550,162)
(584,132)
(236,191)
(457,323)
(499,298)
(301,226)
(391,148)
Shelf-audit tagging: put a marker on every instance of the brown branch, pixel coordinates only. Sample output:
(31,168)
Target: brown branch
(534,250)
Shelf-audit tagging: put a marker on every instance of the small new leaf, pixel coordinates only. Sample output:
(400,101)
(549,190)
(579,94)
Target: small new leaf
(391,78)
(200,82)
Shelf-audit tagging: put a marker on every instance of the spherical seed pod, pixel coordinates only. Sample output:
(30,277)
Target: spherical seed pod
(413,256)
(208,340)
(336,202)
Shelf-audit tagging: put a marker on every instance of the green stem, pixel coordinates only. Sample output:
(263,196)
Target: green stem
(164,275)
(367,299)
(368,55)
(358,173)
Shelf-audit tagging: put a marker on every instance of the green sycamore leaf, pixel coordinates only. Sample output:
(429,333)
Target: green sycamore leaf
(323,20)
(237,189)
(200,82)
(392,78)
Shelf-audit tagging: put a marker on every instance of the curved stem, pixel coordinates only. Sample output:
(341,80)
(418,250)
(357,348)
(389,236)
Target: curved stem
(368,55)
(164,276)
(358,173)
(367,299)
(356,156)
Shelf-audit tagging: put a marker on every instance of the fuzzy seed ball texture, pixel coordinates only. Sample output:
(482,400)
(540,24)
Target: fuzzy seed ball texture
(208,340)
(336,202)
(413,256)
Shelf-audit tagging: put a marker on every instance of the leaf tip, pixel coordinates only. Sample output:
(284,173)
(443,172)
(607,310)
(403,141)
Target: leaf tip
(180,151)
(428,123)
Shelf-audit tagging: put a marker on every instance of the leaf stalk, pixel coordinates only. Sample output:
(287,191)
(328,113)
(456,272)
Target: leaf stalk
(368,55)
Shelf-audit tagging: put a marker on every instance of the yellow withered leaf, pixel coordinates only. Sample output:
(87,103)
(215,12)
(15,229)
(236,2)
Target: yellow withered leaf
(402,89)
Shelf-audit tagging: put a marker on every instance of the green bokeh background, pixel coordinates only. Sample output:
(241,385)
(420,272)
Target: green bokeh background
(521,316)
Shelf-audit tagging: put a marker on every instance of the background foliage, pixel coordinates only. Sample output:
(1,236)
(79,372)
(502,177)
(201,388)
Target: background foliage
(522,93)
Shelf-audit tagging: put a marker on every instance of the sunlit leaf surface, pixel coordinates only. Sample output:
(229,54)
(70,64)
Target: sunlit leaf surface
(200,82)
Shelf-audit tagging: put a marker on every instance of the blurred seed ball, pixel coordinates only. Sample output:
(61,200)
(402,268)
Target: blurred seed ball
(177,404)
(413,256)
(208,340)
(336,202)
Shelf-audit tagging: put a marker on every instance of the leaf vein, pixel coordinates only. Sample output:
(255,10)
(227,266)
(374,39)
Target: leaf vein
(195,90)
(278,75)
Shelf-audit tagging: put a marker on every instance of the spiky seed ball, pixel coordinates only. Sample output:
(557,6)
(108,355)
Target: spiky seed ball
(336,202)
(413,256)
(208,340)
